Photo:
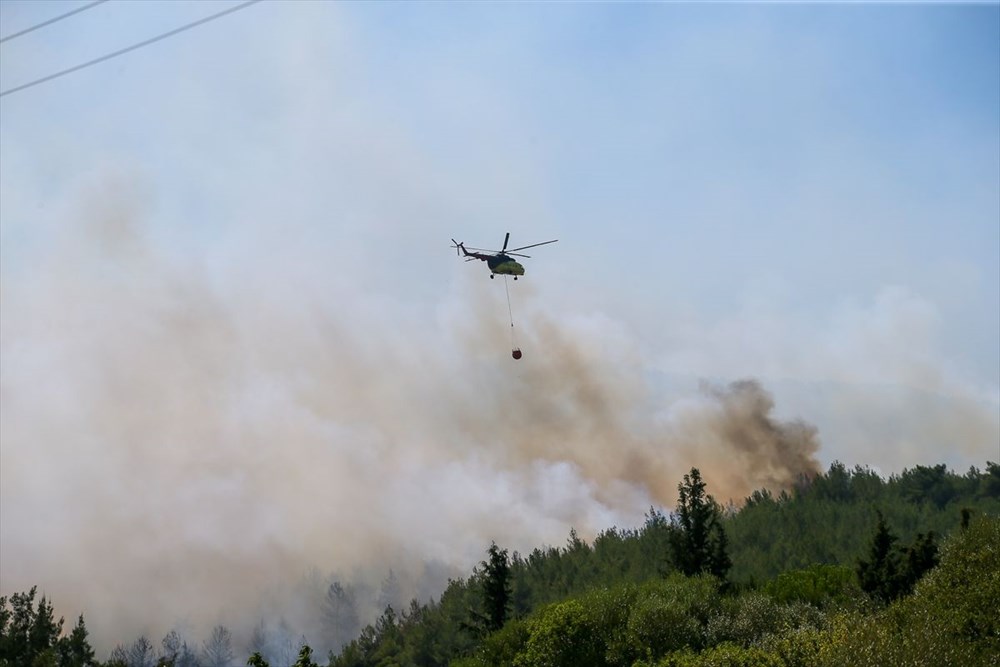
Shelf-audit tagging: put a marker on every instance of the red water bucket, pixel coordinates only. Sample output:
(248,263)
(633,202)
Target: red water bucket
(516,353)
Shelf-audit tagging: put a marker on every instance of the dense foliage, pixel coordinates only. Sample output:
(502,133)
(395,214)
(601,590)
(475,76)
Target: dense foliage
(30,635)
(796,560)
(828,519)
(845,569)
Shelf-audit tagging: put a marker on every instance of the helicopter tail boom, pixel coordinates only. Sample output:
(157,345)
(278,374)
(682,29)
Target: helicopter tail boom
(461,250)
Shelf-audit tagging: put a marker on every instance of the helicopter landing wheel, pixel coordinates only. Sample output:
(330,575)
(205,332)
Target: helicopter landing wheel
(491,276)
(515,277)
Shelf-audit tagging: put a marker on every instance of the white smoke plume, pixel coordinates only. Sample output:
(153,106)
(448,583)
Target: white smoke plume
(176,453)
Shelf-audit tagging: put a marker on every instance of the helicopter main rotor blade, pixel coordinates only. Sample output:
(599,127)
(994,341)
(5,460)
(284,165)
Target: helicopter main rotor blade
(533,245)
(480,249)
(505,240)
(517,254)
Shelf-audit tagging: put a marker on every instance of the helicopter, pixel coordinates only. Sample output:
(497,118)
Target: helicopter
(500,261)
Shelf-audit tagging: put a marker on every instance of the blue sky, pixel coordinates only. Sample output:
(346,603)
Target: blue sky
(239,236)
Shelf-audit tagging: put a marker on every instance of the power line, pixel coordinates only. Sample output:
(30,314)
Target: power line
(131,48)
(51,21)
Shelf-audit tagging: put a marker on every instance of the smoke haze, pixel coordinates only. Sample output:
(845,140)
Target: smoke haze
(237,359)
(172,452)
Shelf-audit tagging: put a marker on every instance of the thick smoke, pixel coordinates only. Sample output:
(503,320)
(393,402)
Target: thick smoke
(776,454)
(178,452)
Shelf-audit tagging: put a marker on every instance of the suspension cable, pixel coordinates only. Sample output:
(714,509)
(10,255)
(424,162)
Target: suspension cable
(513,338)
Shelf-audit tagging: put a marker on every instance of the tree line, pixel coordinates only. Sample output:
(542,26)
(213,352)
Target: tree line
(843,554)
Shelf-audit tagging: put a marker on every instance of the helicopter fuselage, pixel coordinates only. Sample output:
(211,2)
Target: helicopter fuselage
(504,264)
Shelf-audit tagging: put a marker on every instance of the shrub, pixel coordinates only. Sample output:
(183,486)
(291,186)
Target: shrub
(817,585)
(723,655)
(562,635)
(671,614)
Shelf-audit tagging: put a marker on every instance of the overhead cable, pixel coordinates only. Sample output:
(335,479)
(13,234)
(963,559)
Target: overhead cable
(51,21)
(130,48)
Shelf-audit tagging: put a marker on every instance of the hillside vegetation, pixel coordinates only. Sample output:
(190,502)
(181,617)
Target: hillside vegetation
(847,568)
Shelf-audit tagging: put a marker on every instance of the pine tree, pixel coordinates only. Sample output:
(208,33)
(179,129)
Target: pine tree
(259,639)
(14,624)
(389,592)
(718,558)
(257,660)
(496,587)
(45,630)
(218,650)
(75,650)
(141,653)
(305,657)
(919,557)
(880,574)
(387,641)
(186,657)
(699,542)
(28,634)
(118,657)
(654,542)
(340,614)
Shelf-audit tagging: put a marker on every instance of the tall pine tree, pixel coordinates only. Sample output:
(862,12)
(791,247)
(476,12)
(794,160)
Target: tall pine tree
(496,587)
(698,542)
(880,574)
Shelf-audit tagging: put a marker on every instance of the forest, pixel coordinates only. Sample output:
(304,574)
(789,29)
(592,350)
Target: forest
(846,568)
